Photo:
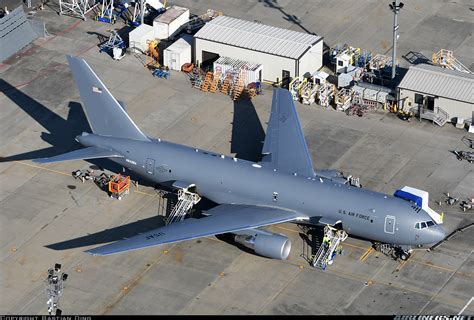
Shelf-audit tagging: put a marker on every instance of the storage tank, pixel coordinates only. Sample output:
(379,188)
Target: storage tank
(170,22)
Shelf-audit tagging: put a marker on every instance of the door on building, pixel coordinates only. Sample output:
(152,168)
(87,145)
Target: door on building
(174,63)
(150,166)
(208,59)
(285,79)
(430,103)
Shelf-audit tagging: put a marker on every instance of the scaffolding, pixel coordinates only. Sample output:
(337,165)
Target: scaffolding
(445,59)
(295,86)
(379,61)
(78,8)
(186,200)
(308,92)
(328,249)
(106,12)
(54,289)
(326,94)
(114,44)
(343,99)
(364,58)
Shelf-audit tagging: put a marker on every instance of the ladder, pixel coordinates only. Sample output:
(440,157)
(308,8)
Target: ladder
(186,200)
(325,253)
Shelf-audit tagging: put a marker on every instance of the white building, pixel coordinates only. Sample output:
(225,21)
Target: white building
(437,90)
(177,54)
(282,53)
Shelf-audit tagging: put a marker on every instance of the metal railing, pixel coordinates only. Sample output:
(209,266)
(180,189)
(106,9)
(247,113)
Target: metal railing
(438,115)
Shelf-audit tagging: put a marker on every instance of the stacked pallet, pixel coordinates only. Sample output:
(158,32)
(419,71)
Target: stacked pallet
(215,82)
(207,82)
(225,88)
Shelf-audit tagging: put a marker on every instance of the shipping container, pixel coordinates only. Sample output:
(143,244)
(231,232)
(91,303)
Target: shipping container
(170,23)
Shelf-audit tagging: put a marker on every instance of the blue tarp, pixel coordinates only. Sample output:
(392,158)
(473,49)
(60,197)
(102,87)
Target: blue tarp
(409,196)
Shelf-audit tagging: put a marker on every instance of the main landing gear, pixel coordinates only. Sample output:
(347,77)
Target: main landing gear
(394,251)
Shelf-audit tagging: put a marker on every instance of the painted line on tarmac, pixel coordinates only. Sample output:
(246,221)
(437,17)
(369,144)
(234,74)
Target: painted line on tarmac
(366,254)
(69,175)
(465,307)
(43,168)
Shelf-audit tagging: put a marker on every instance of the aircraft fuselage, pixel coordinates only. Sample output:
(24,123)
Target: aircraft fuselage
(224,179)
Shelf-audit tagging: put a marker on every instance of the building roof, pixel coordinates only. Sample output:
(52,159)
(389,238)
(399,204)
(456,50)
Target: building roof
(258,37)
(437,81)
(172,14)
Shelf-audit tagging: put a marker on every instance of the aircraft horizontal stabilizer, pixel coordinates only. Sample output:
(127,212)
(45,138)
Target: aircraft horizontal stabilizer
(81,154)
(224,218)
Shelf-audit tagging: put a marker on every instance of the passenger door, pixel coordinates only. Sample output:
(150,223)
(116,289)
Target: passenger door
(150,166)
(390,224)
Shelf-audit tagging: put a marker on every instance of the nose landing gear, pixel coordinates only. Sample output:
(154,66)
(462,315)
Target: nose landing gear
(402,254)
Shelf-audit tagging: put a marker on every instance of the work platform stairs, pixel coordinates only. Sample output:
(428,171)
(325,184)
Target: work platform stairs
(325,251)
(445,59)
(186,200)
(438,115)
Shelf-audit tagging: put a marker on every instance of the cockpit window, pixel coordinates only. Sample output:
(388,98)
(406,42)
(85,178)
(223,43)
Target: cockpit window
(424,224)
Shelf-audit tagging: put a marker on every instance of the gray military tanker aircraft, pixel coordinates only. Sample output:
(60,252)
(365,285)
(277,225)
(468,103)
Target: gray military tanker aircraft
(282,187)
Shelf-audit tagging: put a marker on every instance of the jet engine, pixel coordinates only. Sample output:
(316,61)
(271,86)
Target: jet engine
(264,243)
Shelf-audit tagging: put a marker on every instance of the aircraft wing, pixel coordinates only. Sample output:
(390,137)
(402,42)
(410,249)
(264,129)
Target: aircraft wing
(285,147)
(222,219)
(81,154)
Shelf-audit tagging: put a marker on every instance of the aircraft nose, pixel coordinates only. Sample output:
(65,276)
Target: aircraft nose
(438,233)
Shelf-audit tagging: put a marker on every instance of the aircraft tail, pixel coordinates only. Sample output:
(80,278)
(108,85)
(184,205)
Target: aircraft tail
(104,113)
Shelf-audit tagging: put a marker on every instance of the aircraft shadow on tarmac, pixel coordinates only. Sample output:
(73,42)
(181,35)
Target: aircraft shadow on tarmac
(247,138)
(247,131)
(60,132)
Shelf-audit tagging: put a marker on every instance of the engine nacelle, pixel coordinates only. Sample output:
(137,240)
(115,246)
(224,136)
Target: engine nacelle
(264,243)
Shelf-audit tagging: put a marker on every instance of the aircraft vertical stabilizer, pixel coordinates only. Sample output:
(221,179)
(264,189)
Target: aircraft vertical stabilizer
(105,114)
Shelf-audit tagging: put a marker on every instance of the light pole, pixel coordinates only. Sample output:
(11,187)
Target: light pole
(395,6)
